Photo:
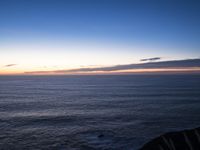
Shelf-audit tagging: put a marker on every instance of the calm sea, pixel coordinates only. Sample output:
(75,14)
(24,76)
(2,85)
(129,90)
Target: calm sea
(94,112)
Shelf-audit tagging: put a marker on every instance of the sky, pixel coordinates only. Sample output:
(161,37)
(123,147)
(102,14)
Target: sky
(54,36)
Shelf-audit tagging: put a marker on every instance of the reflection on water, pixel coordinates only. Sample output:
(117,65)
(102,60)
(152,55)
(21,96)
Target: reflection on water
(95,112)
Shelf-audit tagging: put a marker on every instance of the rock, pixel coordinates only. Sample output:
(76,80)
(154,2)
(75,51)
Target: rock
(182,140)
(100,136)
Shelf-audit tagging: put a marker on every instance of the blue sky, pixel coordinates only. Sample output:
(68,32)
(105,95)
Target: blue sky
(123,30)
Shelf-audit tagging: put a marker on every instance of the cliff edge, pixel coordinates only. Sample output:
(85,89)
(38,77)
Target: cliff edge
(182,140)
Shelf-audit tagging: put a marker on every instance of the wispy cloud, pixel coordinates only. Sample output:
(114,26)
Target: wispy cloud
(10,65)
(188,63)
(151,59)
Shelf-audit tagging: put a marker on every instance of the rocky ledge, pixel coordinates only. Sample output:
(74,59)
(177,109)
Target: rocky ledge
(182,140)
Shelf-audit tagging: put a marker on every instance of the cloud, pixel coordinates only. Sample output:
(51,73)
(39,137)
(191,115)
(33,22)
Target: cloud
(151,59)
(10,65)
(188,63)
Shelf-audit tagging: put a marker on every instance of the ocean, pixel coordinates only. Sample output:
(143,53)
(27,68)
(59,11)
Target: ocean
(102,112)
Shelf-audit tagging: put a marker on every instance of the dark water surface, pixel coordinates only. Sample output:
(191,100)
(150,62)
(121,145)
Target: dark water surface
(94,112)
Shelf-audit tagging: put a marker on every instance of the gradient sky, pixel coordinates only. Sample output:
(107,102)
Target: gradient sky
(45,35)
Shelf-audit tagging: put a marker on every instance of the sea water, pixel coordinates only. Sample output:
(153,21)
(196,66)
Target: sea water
(102,112)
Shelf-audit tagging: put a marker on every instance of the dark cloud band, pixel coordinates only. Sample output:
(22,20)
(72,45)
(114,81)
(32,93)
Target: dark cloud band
(10,65)
(150,65)
(151,59)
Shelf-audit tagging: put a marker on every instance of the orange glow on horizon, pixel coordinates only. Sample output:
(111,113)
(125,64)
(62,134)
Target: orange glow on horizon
(129,71)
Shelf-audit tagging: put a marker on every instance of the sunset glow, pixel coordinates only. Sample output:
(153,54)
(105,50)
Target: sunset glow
(99,74)
(32,45)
